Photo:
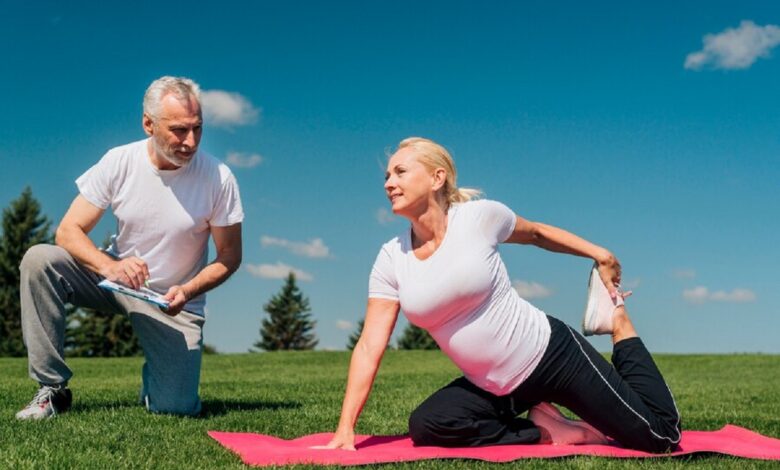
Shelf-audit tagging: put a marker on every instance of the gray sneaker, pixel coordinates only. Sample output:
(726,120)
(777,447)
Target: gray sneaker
(49,401)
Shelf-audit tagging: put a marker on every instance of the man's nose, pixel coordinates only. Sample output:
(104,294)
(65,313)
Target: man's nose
(190,140)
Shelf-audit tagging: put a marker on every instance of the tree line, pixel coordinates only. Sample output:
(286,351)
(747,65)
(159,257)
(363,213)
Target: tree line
(288,323)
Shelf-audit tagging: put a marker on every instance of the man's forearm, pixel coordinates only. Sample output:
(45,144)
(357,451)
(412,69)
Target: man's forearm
(79,245)
(211,276)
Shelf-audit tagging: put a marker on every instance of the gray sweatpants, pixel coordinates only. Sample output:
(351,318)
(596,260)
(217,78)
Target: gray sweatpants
(50,278)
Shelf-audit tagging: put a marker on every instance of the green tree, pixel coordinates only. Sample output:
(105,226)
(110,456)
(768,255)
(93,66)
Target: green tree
(414,337)
(23,226)
(355,336)
(289,325)
(93,333)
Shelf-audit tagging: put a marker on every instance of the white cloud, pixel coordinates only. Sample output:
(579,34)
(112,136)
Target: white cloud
(531,290)
(242,160)
(736,295)
(384,216)
(277,271)
(696,295)
(226,109)
(684,273)
(315,248)
(343,325)
(735,48)
(701,294)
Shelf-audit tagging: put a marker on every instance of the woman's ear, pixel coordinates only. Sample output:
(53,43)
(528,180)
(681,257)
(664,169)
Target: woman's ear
(439,178)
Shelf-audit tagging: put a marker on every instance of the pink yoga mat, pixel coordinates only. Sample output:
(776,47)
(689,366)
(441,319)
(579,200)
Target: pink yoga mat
(261,450)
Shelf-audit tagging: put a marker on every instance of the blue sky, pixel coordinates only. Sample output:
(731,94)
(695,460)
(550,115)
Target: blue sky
(650,128)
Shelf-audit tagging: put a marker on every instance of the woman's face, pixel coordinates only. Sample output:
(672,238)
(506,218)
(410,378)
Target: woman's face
(409,185)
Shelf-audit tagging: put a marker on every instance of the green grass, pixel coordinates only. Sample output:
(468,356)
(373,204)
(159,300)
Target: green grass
(291,394)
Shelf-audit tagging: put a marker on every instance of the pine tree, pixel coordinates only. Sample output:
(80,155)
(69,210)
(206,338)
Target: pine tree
(415,337)
(289,325)
(92,333)
(23,226)
(355,336)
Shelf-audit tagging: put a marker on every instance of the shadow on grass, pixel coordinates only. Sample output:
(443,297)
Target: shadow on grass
(213,408)
(210,408)
(91,406)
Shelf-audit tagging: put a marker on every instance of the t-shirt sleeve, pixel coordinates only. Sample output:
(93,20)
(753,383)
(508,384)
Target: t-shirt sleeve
(227,209)
(96,184)
(382,283)
(496,220)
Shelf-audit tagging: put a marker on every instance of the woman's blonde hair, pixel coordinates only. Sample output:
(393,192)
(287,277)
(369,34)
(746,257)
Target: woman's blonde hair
(433,156)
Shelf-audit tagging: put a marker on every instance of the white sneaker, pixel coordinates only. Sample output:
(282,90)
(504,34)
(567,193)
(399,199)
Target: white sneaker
(600,307)
(48,402)
(561,430)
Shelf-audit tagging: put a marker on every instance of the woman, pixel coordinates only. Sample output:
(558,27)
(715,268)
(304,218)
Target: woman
(447,276)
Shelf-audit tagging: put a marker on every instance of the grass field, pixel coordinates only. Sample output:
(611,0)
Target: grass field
(290,394)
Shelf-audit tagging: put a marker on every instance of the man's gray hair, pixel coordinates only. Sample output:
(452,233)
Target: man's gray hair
(183,88)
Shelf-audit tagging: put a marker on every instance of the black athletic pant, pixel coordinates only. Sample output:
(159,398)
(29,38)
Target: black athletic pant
(629,402)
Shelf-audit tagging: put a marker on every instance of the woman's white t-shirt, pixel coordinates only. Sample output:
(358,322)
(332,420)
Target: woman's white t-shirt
(463,297)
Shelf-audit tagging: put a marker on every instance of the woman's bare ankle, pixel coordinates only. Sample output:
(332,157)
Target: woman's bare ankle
(622,328)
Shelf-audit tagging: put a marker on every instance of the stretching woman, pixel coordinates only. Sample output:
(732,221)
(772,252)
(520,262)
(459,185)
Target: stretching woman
(448,278)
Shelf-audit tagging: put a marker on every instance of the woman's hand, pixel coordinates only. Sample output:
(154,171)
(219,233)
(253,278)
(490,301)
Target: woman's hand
(610,272)
(343,439)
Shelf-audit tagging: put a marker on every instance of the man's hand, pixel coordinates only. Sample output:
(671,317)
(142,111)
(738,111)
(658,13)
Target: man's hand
(131,272)
(227,241)
(177,296)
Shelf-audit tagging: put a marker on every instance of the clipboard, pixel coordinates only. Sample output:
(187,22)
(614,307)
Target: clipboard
(147,295)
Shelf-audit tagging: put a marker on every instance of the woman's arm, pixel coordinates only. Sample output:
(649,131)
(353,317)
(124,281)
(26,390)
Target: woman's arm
(560,241)
(381,315)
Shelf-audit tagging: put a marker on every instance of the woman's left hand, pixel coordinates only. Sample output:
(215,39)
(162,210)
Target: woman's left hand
(610,272)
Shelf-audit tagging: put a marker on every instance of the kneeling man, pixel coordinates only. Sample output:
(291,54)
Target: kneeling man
(168,198)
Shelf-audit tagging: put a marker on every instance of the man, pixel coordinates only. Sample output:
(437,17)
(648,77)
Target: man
(168,198)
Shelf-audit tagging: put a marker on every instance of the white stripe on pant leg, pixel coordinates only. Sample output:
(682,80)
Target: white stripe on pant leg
(673,441)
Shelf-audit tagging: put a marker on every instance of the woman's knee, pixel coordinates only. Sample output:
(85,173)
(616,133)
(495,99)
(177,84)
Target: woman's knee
(668,439)
(665,439)
(656,446)
(422,426)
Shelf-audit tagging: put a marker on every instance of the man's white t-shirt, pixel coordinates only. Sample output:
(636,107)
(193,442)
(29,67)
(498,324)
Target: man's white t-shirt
(463,297)
(163,216)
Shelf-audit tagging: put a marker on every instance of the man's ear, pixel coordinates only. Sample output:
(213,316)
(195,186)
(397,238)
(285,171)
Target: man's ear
(148,124)
(439,178)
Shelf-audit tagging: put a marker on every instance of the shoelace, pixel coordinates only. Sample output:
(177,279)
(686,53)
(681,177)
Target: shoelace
(42,395)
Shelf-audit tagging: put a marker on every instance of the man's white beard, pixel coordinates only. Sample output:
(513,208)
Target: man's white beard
(169,154)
